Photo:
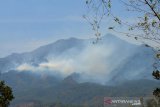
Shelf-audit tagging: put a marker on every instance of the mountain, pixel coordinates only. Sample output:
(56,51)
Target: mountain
(39,55)
(111,60)
(75,71)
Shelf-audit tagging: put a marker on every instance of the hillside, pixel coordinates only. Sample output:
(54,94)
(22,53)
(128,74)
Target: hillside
(75,71)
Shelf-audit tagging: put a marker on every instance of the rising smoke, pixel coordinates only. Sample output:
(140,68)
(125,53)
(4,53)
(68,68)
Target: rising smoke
(95,63)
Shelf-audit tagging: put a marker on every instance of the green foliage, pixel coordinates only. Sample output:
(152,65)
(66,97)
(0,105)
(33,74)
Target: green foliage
(29,89)
(5,95)
(156,74)
(156,92)
(109,3)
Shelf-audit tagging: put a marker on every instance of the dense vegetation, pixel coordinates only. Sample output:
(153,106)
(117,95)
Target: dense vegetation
(36,90)
(5,94)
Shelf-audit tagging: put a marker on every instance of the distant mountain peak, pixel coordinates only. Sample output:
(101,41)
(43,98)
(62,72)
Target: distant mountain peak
(116,56)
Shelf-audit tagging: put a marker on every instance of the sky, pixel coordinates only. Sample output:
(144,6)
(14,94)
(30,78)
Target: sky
(28,24)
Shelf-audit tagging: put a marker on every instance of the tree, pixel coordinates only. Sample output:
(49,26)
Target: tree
(146,28)
(147,13)
(5,95)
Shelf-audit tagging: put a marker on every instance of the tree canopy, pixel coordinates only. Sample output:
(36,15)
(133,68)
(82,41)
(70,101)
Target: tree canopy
(144,26)
(5,95)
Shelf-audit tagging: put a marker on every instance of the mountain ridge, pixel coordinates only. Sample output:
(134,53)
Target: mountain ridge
(120,54)
(76,71)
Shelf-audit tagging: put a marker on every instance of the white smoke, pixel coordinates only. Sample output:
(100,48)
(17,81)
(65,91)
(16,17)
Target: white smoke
(93,64)
(25,67)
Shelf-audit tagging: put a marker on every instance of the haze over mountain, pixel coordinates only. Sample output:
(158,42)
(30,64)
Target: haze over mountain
(110,60)
(76,71)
